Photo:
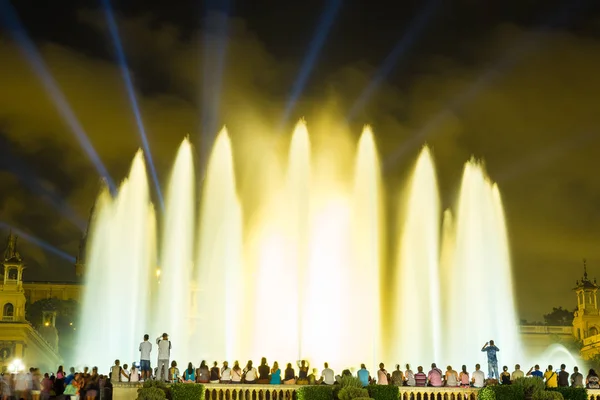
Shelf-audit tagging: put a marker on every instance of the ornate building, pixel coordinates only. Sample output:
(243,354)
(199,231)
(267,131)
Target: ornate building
(586,321)
(20,343)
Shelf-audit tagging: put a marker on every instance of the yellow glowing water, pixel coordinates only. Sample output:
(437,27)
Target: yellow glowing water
(298,267)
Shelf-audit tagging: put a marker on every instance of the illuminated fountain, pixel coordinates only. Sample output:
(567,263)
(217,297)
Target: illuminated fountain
(304,275)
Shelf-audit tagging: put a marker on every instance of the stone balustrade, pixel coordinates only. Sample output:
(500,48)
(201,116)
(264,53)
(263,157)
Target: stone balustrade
(128,391)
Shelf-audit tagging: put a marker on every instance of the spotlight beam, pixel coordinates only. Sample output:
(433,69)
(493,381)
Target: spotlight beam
(213,61)
(122,60)
(483,81)
(10,20)
(38,242)
(410,37)
(324,26)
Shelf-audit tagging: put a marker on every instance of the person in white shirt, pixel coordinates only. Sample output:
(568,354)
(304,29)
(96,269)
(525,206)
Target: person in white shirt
(164,353)
(327,375)
(478,377)
(250,373)
(145,349)
(124,374)
(225,373)
(409,376)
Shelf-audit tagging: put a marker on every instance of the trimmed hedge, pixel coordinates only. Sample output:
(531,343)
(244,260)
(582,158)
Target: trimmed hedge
(150,393)
(151,383)
(572,393)
(188,391)
(315,392)
(502,392)
(384,392)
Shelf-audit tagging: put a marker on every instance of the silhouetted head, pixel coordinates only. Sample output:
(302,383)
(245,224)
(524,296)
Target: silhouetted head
(303,363)
(575,369)
(249,365)
(549,367)
(203,364)
(263,361)
(464,369)
(449,368)
(517,367)
(477,366)
(215,364)
(381,366)
(407,366)
(146,336)
(190,368)
(362,366)
(433,366)
(289,365)
(505,368)
(397,367)
(173,363)
(117,362)
(225,364)
(326,365)
(275,365)
(125,365)
(536,367)
(165,336)
(563,367)
(420,368)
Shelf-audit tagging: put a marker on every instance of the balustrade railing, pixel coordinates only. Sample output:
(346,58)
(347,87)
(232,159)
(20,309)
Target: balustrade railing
(218,391)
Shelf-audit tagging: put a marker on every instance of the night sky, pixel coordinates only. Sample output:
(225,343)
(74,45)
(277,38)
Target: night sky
(515,83)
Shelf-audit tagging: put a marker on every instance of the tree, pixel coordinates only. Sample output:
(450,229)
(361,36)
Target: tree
(66,321)
(559,316)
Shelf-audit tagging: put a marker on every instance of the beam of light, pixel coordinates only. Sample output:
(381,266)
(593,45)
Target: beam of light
(325,22)
(11,22)
(122,60)
(213,60)
(483,81)
(409,38)
(38,242)
(542,158)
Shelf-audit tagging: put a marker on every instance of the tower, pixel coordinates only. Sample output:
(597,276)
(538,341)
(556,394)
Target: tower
(12,295)
(586,321)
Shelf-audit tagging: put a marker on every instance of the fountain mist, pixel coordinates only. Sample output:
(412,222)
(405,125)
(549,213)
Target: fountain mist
(299,277)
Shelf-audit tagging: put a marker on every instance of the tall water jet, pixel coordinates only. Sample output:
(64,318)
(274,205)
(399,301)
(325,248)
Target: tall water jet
(446,270)
(120,259)
(481,278)
(177,244)
(298,200)
(219,266)
(417,306)
(362,289)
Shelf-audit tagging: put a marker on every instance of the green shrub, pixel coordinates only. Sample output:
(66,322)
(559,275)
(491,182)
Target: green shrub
(571,393)
(315,392)
(547,395)
(158,385)
(384,392)
(351,392)
(486,393)
(350,381)
(150,393)
(531,386)
(363,398)
(187,391)
(501,392)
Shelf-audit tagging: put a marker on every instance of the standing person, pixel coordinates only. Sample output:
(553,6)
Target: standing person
(145,349)
(563,376)
(576,378)
(550,377)
(535,371)
(491,350)
(164,353)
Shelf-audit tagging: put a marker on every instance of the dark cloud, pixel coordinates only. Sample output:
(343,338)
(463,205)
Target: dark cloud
(535,123)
